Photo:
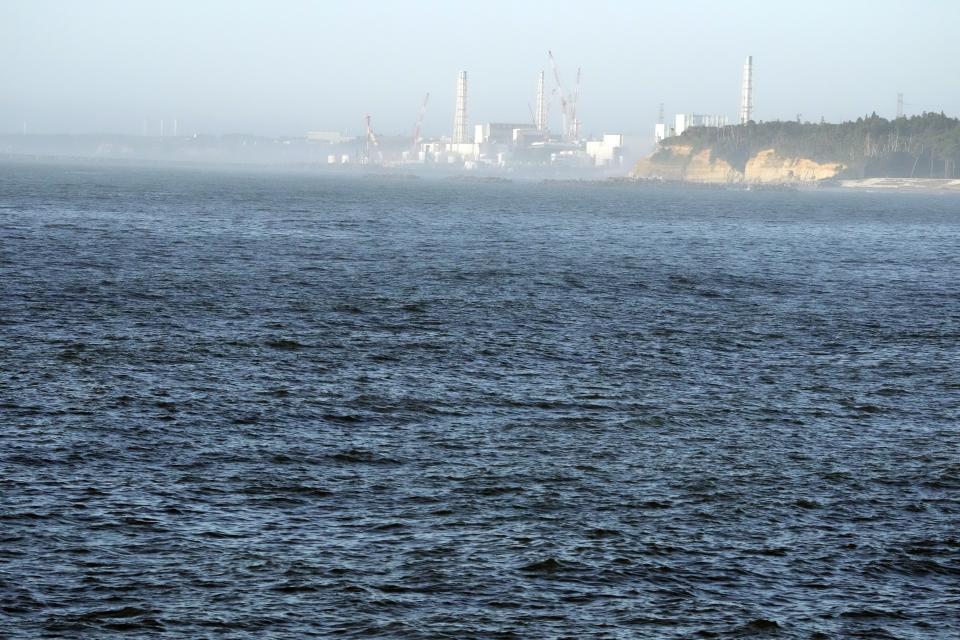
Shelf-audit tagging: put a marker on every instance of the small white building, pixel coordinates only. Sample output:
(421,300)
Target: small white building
(499,132)
(684,121)
(660,132)
(465,150)
(606,152)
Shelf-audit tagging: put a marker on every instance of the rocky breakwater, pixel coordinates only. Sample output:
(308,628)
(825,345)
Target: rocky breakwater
(684,163)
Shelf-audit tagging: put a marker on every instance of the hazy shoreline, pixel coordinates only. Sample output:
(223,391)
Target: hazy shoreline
(870,185)
(904,184)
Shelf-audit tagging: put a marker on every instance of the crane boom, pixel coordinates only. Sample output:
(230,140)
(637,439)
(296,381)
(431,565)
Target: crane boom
(419,124)
(371,135)
(564,107)
(574,123)
(372,142)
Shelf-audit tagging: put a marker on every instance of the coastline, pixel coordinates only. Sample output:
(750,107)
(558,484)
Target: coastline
(904,184)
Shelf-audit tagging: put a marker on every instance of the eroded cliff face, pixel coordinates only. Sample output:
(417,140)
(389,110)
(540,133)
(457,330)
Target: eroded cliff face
(702,169)
(768,166)
(668,163)
(681,163)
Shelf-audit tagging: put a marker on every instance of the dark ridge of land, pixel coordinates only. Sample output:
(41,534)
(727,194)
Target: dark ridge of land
(922,146)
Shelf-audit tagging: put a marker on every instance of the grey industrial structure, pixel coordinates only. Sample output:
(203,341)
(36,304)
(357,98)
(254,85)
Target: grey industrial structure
(492,144)
(684,121)
(506,144)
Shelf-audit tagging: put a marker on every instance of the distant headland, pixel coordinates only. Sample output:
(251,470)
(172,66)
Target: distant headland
(923,148)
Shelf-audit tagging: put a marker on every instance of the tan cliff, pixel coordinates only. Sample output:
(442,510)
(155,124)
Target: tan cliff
(679,162)
(667,163)
(768,166)
(702,168)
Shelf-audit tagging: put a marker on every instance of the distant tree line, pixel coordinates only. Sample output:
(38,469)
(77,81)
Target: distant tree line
(921,146)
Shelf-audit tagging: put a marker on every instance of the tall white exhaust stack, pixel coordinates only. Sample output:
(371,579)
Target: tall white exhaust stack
(746,92)
(460,115)
(541,122)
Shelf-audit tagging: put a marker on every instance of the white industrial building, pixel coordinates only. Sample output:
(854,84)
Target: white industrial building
(504,144)
(606,152)
(683,121)
(660,132)
(502,132)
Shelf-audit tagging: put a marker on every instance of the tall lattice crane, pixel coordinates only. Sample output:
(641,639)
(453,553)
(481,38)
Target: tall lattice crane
(564,114)
(419,124)
(570,126)
(373,143)
(574,122)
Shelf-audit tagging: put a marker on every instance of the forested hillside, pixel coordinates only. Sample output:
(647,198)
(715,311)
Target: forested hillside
(921,146)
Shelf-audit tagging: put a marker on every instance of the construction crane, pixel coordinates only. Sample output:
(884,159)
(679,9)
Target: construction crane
(419,124)
(570,127)
(574,123)
(372,141)
(564,115)
(533,115)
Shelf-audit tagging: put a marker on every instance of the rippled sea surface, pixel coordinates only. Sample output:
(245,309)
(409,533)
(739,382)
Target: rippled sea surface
(285,406)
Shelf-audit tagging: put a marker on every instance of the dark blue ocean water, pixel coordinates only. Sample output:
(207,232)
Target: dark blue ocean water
(284,406)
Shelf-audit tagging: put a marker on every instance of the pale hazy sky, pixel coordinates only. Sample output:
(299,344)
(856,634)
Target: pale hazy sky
(288,66)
